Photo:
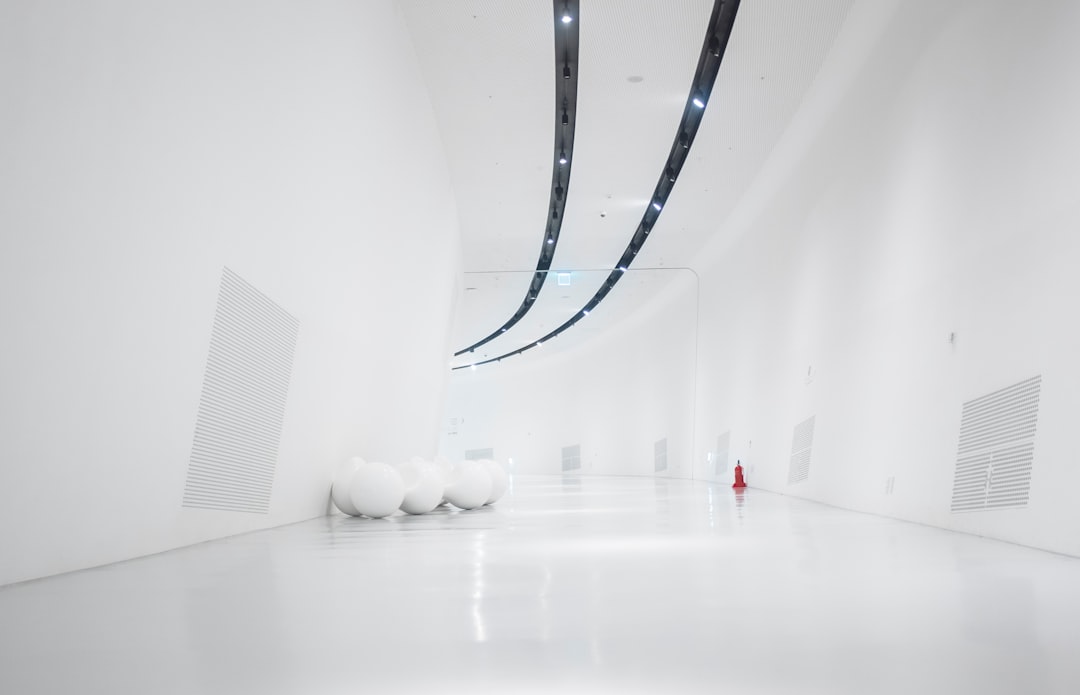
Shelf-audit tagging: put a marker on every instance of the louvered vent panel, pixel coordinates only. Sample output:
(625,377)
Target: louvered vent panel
(571,458)
(723,446)
(801,442)
(660,455)
(242,408)
(997,448)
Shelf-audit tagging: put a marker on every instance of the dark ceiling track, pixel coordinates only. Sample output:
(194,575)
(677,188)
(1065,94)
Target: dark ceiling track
(566,18)
(712,54)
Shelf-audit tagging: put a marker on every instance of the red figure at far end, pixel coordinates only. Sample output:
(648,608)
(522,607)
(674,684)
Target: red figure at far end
(739,482)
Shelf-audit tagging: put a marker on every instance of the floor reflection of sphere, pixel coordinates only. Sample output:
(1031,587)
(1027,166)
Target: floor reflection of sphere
(468,486)
(377,490)
(342,486)
(423,486)
(500,481)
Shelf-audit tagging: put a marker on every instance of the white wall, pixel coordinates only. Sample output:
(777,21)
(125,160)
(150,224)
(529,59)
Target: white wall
(615,396)
(927,187)
(144,146)
(938,196)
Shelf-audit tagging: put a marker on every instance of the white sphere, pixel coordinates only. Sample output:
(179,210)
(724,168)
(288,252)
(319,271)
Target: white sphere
(339,490)
(468,486)
(377,490)
(423,486)
(499,480)
(447,470)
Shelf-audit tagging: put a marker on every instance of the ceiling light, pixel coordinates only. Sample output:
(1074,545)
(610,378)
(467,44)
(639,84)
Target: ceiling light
(538,343)
(564,279)
(585,313)
(670,173)
(551,240)
(566,18)
(562,157)
(684,140)
(565,118)
(622,269)
(566,72)
(714,46)
(472,367)
(657,205)
(699,100)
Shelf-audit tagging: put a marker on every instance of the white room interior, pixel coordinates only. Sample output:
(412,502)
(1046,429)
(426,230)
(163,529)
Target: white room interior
(861,288)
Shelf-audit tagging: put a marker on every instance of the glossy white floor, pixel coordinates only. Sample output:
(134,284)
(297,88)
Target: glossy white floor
(620,585)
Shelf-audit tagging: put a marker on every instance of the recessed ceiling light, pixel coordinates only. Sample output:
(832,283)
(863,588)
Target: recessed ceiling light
(656,205)
(699,100)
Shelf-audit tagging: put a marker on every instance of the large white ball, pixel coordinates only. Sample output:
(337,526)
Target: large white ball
(447,470)
(423,486)
(376,490)
(342,485)
(499,480)
(468,486)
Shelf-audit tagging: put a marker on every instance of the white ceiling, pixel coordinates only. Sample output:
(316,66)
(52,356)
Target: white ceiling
(490,70)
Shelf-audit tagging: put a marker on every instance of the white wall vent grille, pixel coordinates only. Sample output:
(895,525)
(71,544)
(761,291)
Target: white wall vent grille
(242,407)
(801,441)
(571,458)
(997,448)
(720,459)
(660,455)
(479,454)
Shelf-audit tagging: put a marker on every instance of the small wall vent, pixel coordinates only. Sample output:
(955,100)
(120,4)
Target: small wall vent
(997,448)
(801,441)
(660,455)
(571,458)
(720,458)
(242,407)
(479,454)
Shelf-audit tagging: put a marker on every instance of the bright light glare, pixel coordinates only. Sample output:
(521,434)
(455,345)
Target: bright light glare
(657,206)
(698,102)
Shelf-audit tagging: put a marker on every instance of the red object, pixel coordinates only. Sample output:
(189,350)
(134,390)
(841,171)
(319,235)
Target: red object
(739,482)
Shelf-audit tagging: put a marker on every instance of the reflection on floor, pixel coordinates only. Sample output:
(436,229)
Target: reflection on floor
(620,585)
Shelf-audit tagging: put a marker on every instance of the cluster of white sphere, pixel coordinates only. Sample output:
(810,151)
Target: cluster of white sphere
(416,486)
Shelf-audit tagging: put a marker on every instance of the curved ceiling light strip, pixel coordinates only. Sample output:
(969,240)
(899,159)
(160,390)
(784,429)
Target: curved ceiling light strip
(566,79)
(712,53)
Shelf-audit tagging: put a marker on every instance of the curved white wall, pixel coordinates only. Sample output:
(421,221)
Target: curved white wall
(614,395)
(928,188)
(939,198)
(144,147)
